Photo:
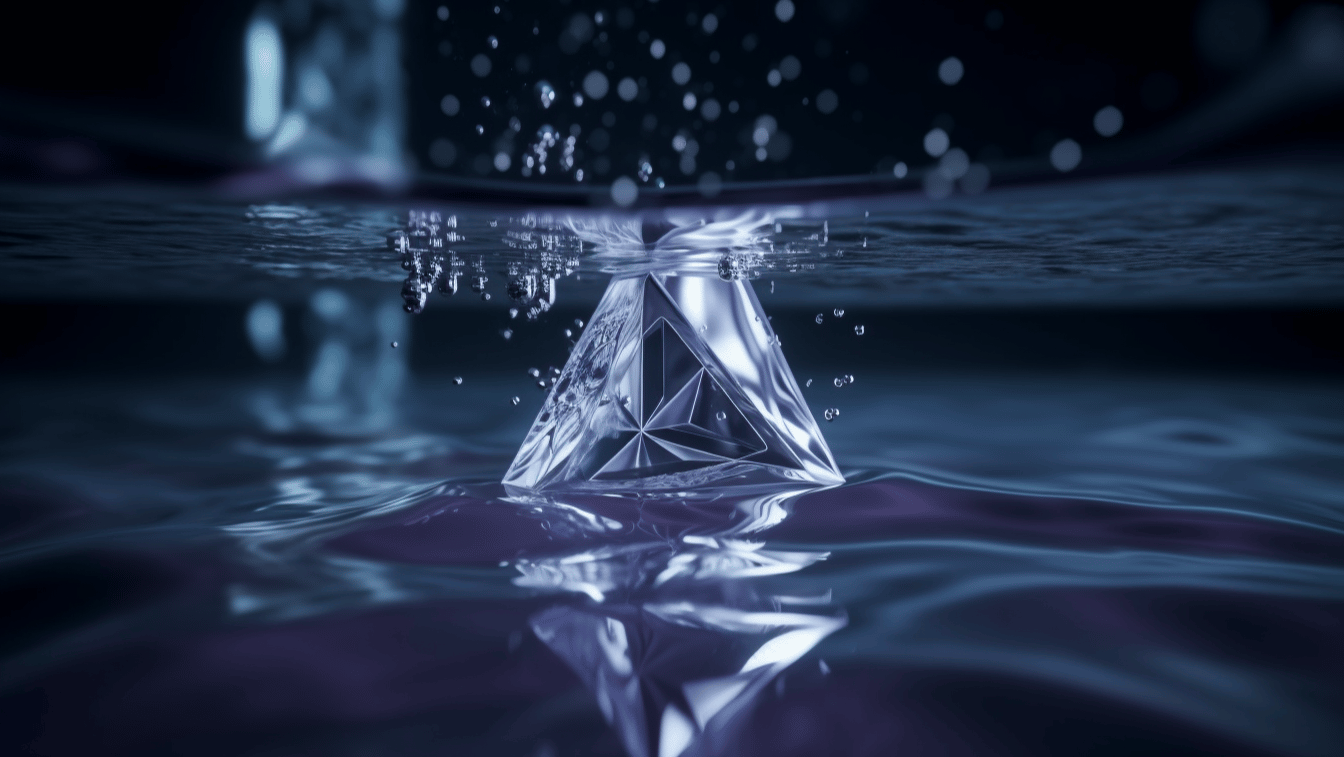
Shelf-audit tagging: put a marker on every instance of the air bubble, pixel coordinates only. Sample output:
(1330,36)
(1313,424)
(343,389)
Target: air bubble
(507,334)
(849,378)
(513,313)
(545,93)
(839,312)
(831,413)
(515,401)
(494,42)
(839,382)
(721,415)
(534,373)
(681,74)
(809,383)
(859,329)
(394,345)
(480,129)
(457,380)
(819,318)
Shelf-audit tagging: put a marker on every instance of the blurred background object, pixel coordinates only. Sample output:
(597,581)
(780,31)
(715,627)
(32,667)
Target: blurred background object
(539,98)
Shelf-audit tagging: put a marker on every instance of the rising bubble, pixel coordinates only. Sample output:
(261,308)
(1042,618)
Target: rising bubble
(951,70)
(1108,121)
(1066,155)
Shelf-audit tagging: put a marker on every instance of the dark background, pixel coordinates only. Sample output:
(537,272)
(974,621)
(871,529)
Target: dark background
(90,89)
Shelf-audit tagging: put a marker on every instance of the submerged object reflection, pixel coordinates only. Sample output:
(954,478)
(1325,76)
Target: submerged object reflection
(678,637)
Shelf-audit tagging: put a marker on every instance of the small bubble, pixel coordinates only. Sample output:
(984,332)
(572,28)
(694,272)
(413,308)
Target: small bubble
(534,373)
(494,42)
(809,383)
(485,297)
(721,415)
(545,93)
(578,322)
(849,378)
(515,401)
(394,345)
(819,318)
(513,312)
(951,70)
(784,10)
(542,385)
(485,101)
(831,413)
(569,334)
(839,312)
(839,382)
(480,129)
(1108,121)
(457,380)
(507,334)
(859,329)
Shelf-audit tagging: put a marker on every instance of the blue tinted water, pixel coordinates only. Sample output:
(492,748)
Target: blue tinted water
(1022,561)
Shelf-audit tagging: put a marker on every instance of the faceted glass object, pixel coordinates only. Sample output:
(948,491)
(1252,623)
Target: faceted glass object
(678,381)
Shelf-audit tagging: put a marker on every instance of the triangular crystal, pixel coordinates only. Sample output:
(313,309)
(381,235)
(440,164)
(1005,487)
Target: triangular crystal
(678,381)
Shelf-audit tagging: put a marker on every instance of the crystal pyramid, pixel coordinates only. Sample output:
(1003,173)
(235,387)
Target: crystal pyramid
(677,382)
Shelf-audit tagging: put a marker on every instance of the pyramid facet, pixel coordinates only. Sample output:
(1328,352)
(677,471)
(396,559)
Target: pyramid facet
(678,381)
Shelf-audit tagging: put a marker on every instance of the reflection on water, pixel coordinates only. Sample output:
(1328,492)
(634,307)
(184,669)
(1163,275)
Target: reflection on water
(1118,542)
(678,639)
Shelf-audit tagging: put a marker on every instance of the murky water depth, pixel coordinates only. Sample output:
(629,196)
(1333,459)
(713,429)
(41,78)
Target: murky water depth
(317,558)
